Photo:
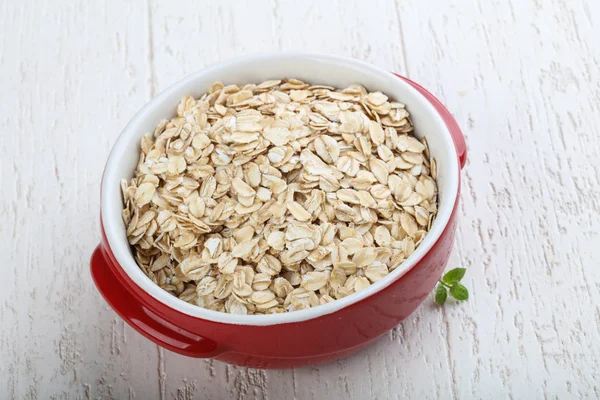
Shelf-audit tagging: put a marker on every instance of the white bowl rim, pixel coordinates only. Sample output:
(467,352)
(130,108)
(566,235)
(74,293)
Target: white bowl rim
(111,178)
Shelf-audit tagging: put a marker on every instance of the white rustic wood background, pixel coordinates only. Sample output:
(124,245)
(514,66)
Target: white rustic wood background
(523,80)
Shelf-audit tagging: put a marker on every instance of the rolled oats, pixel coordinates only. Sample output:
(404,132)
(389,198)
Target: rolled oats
(278,197)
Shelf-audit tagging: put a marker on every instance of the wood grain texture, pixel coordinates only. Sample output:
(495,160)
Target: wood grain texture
(522,79)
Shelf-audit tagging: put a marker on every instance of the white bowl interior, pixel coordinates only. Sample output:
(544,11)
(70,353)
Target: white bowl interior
(313,68)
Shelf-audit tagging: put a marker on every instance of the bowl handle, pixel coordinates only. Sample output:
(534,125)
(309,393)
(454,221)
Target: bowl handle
(455,132)
(144,320)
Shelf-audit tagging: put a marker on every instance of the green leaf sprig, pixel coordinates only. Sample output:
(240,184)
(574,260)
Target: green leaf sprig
(450,282)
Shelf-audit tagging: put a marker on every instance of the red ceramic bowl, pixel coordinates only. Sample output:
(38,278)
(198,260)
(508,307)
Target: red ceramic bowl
(299,338)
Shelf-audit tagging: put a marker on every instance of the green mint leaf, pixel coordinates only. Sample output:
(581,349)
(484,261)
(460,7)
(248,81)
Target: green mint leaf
(459,292)
(441,295)
(454,275)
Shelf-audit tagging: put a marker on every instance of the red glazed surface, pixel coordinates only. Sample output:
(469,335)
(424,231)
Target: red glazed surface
(322,339)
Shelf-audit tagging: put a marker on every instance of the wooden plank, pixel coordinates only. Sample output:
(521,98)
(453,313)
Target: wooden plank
(72,75)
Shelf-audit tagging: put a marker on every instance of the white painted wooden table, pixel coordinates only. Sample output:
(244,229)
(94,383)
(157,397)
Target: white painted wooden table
(523,80)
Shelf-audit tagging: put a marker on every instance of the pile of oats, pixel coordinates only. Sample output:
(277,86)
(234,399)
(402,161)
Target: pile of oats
(278,197)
